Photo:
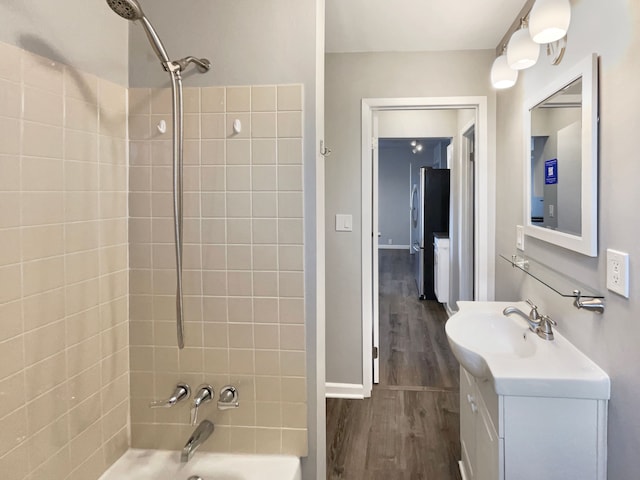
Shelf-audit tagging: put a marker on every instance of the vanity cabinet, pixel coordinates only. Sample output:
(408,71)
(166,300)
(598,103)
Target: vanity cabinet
(505,437)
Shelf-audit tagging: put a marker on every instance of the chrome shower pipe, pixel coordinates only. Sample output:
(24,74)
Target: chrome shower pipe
(178,139)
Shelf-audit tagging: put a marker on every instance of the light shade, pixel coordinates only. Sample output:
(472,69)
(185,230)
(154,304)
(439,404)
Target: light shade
(501,75)
(549,20)
(522,51)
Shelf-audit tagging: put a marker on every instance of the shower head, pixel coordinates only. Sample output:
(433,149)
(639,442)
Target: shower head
(131,10)
(127,9)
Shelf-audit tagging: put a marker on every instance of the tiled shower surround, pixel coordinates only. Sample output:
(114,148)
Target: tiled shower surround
(87,322)
(64,358)
(243,267)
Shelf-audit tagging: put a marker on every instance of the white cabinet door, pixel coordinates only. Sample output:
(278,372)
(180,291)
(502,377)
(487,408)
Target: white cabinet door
(467,424)
(479,442)
(487,445)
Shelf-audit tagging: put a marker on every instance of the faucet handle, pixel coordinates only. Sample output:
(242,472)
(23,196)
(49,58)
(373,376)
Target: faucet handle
(228,398)
(204,395)
(544,329)
(182,392)
(548,319)
(534,315)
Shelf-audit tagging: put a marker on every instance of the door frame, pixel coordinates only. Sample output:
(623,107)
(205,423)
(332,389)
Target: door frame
(485,204)
(469,207)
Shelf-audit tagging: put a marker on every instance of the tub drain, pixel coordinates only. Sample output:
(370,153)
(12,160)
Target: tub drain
(194,477)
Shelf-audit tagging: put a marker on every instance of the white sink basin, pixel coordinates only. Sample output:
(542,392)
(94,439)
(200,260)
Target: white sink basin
(501,349)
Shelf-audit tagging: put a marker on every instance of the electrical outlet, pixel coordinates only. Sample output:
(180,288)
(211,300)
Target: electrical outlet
(618,272)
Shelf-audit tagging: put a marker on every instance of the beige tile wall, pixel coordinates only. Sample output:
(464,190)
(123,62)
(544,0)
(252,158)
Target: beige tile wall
(64,360)
(243,267)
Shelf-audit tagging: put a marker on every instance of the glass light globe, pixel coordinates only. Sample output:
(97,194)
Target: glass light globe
(522,51)
(549,20)
(501,75)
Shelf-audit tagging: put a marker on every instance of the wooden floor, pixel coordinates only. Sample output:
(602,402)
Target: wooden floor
(409,428)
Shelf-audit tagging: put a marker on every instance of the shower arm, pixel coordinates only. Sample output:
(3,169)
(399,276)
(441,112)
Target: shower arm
(181,65)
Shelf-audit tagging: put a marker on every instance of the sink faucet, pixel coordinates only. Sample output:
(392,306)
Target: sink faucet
(539,324)
(533,319)
(198,437)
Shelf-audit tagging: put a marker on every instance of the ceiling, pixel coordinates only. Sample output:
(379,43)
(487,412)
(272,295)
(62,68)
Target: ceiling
(417,25)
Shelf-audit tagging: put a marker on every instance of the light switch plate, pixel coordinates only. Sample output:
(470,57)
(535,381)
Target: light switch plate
(618,272)
(519,237)
(344,223)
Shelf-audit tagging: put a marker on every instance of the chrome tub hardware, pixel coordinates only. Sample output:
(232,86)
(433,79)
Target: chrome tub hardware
(204,395)
(197,438)
(589,303)
(182,392)
(228,398)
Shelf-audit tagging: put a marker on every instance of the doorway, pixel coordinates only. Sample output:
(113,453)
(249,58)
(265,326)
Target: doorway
(483,199)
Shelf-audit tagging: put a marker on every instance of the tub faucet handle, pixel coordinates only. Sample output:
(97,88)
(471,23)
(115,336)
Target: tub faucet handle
(228,398)
(182,392)
(204,395)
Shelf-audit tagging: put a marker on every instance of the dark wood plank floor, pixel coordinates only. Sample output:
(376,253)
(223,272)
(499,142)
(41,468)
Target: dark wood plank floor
(409,428)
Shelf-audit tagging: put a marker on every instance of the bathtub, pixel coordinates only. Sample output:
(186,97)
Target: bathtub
(165,465)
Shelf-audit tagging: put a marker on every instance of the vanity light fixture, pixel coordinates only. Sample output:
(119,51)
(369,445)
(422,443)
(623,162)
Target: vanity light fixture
(549,20)
(522,51)
(502,76)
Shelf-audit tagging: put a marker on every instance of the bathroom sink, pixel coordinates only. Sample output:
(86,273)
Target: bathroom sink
(501,349)
(472,336)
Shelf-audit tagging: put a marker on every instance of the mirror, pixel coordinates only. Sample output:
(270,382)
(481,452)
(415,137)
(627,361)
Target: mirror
(561,160)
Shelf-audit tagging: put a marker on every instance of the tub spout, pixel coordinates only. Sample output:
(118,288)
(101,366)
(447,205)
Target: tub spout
(198,437)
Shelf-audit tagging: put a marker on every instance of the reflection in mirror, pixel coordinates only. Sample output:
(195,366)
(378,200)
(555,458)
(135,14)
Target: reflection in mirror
(556,161)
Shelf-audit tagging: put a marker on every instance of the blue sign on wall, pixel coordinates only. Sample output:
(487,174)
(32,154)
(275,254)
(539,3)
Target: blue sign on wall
(551,171)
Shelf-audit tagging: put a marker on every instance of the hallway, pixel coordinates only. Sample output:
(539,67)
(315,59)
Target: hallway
(409,428)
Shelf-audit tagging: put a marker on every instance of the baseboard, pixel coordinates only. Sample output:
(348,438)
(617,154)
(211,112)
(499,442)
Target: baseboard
(393,247)
(448,309)
(463,473)
(344,390)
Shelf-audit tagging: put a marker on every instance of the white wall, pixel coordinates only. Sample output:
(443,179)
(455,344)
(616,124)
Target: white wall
(417,123)
(349,78)
(612,30)
(393,197)
(84,34)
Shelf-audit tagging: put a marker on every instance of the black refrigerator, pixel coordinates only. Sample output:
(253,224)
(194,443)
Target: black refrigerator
(432,216)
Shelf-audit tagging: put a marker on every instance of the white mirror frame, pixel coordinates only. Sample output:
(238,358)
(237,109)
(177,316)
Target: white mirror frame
(587,243)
